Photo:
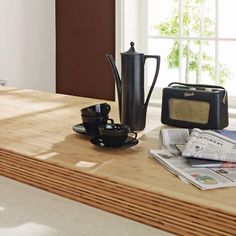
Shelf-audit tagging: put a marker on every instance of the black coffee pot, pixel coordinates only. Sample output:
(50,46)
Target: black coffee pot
(130,87)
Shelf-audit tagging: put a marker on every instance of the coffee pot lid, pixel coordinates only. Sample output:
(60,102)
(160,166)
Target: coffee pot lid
(131,51)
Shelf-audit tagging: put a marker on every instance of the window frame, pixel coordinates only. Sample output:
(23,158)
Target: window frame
(141,38)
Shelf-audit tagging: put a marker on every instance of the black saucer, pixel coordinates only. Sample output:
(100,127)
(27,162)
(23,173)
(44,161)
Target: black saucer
(98,142)
(79,128)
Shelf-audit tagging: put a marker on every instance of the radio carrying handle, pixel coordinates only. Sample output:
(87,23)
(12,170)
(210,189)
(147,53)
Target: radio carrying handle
(202,86)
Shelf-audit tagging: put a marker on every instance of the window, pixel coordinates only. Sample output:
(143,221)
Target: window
(196,40)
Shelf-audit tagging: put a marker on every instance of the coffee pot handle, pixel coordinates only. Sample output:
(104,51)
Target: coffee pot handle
(158,59)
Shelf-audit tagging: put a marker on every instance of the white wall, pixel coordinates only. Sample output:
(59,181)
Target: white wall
(27,43)
(135,24)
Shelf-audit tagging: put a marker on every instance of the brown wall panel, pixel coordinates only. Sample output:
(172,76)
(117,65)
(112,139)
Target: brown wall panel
(85,32)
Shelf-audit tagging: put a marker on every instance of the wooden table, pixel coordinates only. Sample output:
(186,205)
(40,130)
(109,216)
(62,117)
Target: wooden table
(39,147)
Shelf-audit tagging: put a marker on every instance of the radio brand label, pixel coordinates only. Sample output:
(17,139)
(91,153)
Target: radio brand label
(188,94)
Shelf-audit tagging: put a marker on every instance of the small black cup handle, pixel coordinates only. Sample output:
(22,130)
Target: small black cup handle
(133,138)
(111,120)
(108,107)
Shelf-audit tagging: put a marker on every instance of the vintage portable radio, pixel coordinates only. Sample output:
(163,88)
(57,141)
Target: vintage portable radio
(195,106)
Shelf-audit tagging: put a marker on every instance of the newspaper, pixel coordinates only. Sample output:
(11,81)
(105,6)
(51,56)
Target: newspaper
(211,145)
(174,139)
(179,144)
(203,178)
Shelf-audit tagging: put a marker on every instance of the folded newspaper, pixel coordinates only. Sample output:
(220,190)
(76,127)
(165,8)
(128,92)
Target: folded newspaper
(174,139)
(192,143)
(210,145)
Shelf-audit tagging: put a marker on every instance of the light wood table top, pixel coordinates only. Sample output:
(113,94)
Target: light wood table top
(39,125)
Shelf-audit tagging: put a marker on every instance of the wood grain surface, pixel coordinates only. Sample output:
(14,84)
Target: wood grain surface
(39,147)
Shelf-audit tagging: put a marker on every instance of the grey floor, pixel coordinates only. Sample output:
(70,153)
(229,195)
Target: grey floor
(28,211)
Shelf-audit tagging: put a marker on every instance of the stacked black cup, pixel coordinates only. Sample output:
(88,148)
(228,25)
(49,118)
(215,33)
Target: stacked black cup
(95,115)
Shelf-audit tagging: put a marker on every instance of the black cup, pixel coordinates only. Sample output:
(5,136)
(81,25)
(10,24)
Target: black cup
(96,110)
(91,123)
(115,135)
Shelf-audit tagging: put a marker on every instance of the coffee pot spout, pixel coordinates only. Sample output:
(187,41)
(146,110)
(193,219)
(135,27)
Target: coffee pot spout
(116,78)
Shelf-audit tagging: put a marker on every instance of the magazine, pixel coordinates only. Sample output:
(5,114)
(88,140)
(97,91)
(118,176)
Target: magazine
(228,133)
(203,178)
(197,162)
